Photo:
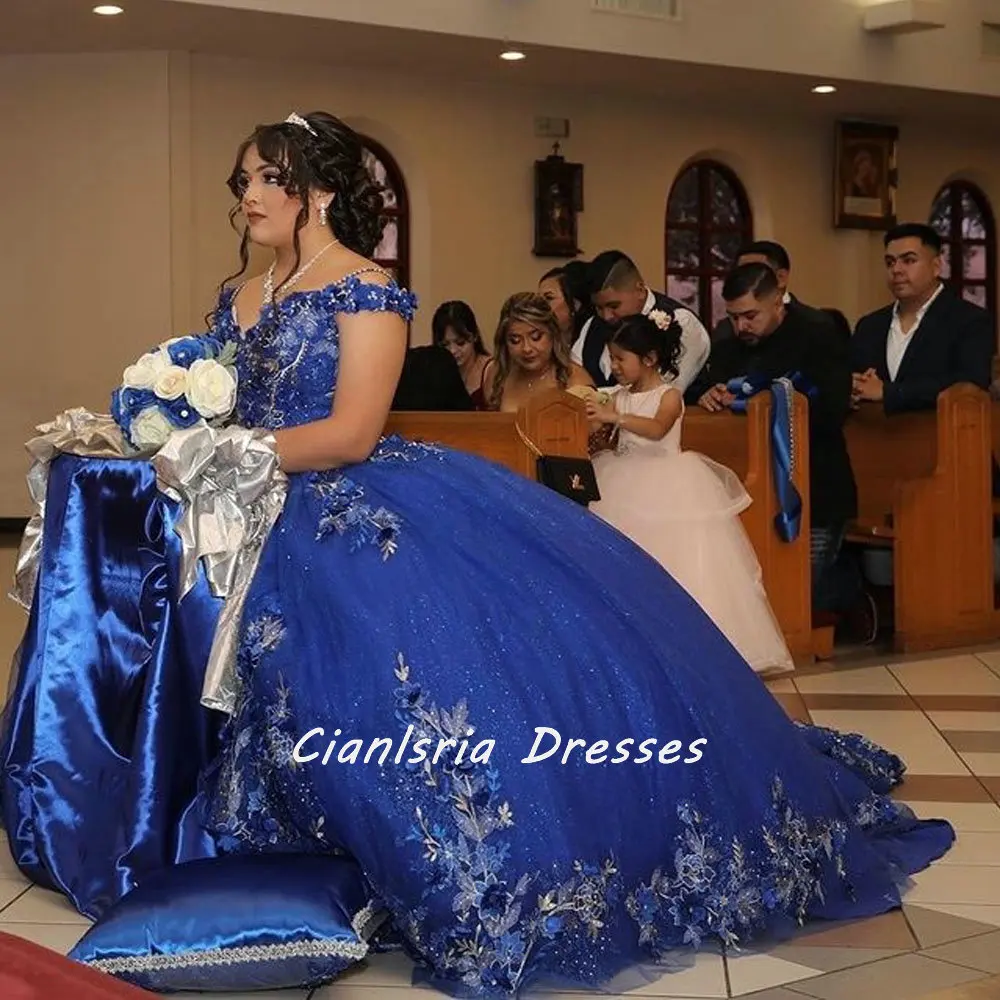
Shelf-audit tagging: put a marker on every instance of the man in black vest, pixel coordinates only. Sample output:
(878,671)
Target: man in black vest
(617,290)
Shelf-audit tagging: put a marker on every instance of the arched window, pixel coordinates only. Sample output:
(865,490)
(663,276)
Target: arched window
(962,215)
(708,221)
(393,252)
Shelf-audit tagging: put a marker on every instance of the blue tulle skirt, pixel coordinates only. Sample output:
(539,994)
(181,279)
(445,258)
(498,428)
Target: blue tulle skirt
(548,762)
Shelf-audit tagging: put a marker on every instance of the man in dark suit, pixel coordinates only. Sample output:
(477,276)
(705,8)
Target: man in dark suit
(776,257)
(430,380)
(906,353)
(617,290)
(773,339)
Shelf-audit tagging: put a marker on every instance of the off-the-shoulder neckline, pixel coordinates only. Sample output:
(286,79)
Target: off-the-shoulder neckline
(353,278)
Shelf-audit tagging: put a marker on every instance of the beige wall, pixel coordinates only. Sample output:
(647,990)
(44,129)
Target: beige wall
(117,196)
(467,155)
(84,203)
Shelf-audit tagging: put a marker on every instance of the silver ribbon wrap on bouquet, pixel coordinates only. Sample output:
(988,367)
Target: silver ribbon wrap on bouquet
(73,432)
(232,492)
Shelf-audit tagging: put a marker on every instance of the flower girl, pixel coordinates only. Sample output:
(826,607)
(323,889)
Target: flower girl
(679,506)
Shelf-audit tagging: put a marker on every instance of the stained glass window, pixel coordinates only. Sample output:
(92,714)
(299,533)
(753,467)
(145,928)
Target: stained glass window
(708,221)
(393,252)
(962,216)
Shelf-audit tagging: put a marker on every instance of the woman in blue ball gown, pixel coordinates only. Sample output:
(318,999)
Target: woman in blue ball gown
(605,780)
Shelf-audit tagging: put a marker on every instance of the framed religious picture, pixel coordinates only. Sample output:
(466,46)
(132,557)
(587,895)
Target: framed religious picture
(865,176)
(558,199)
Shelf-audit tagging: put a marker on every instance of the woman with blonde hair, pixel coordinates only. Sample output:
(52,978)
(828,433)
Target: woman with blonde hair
(529,354)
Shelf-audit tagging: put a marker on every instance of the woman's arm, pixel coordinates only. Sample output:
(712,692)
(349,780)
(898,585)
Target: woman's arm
(372,349)
(579,376)
(654,428)
(489,371)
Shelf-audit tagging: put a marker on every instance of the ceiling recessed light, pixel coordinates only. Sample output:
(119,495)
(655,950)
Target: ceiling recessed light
(512,55)
(108,9)
(825,88)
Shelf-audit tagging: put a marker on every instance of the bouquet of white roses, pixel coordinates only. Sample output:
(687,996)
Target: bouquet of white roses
(182,382)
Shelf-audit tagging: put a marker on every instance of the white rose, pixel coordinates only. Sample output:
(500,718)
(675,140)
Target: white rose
(144,373)
(150,428)
(171,382)
(211,388)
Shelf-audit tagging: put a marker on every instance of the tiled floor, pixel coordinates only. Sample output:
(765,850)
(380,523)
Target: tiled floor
(941,714)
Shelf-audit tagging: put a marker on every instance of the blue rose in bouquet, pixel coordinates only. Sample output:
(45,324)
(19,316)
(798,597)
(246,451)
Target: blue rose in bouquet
(182,382)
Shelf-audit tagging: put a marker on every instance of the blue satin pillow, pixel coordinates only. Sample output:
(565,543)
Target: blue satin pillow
(237,923)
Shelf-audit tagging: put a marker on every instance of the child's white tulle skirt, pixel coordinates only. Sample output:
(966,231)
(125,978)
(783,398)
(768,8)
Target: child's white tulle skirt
(683,509)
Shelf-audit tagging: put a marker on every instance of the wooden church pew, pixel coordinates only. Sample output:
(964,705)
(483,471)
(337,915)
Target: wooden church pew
(554,421)
(924,489)
(743,444)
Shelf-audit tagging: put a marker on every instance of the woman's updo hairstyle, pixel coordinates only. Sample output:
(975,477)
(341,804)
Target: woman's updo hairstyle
(318,151)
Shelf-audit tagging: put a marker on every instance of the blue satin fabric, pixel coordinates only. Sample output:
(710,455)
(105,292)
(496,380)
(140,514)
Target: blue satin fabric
(788,520)
(252,923)
(103,736)
(430,596)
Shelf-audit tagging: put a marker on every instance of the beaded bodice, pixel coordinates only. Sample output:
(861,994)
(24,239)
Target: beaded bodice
(287,363)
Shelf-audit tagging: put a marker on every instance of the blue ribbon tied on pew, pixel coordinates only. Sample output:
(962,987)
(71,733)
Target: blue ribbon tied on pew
(788,520)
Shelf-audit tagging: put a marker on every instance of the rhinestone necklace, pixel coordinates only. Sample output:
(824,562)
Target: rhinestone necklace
(268,297)
(540,377)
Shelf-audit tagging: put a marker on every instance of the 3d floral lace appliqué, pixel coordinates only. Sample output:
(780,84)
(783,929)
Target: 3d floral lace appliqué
(345,509)
(503,919)
(713,887)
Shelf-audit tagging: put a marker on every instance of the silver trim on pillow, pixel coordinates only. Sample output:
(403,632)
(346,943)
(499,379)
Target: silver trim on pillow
(231,956)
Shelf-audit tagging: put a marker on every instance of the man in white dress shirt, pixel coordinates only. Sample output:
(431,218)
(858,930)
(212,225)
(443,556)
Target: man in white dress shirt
(905,354)
(617,290)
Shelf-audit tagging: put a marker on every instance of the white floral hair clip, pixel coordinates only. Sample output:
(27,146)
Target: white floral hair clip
(663,320)
(296,119)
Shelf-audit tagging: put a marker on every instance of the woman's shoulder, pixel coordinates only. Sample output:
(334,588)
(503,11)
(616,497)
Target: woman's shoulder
(578,375)
(361,285)
(355,284)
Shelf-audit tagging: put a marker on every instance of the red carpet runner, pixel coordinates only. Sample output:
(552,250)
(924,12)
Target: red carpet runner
(31,972)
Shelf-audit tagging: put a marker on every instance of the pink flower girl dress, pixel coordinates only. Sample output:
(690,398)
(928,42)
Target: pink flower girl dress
(683,509)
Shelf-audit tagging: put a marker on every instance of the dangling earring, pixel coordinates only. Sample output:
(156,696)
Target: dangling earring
(322,214)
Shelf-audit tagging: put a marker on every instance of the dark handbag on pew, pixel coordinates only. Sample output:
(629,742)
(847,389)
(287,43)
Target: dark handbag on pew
(572,477)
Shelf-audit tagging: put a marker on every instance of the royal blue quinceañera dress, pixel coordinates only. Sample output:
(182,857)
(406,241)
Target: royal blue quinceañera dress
(546,759)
